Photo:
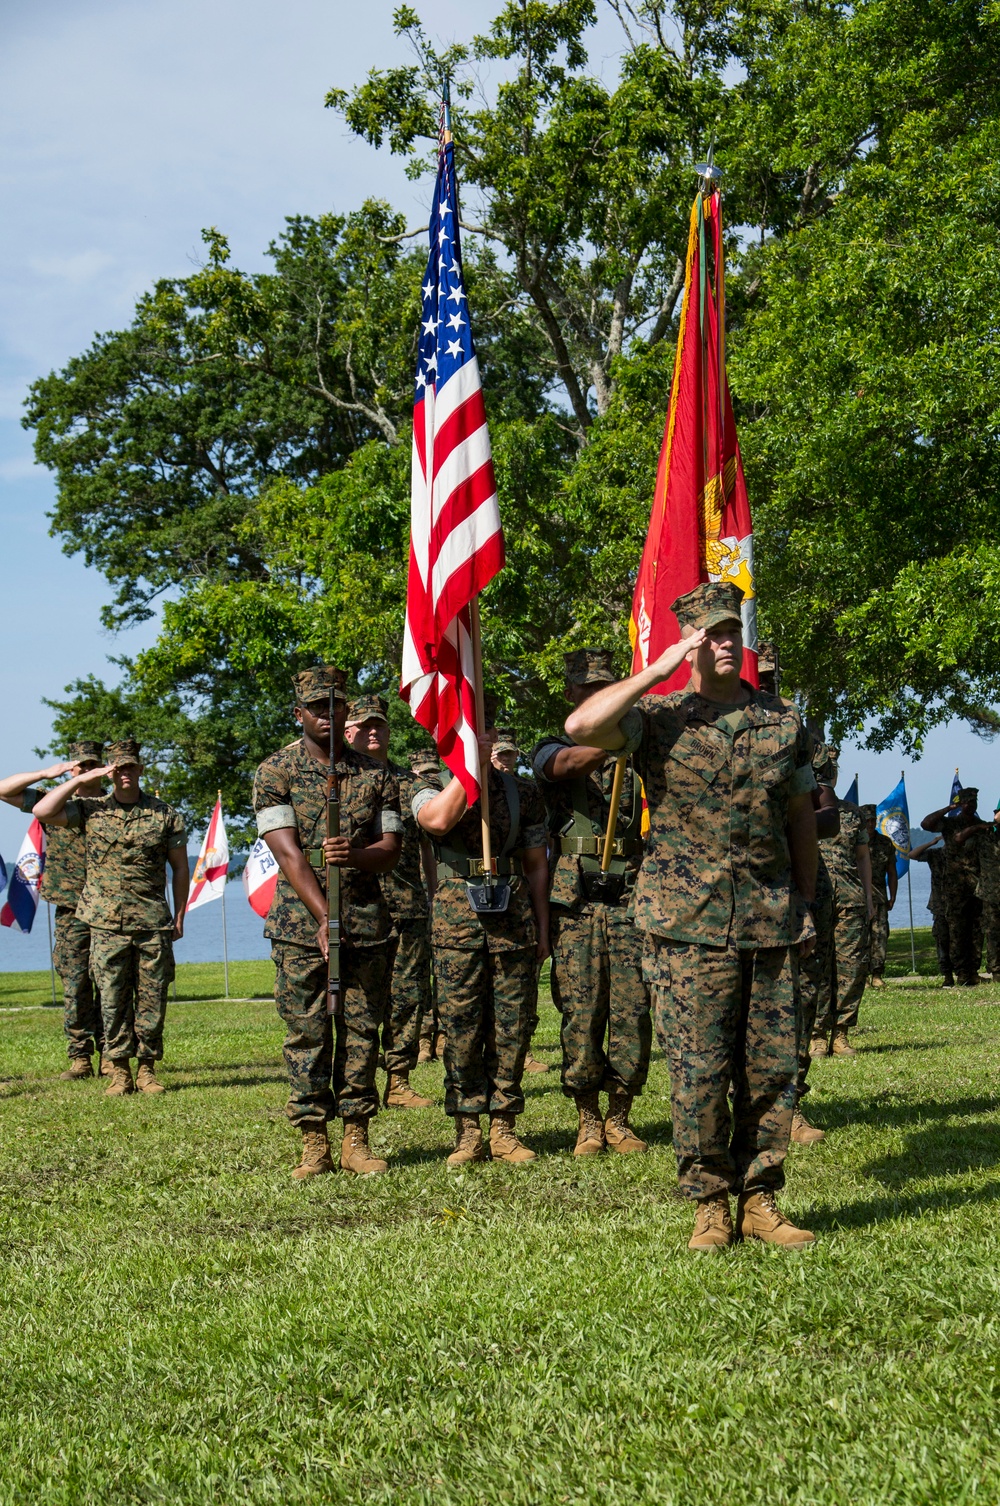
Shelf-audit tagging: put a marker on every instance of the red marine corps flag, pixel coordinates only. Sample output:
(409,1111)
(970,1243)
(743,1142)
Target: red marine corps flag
(456,542)
(699,528)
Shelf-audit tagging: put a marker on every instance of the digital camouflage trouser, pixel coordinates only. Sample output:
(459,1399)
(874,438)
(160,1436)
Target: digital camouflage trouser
(331,1071)
(599,989)
(488,1002)
(878,943)
(991,936)
(942,944)
(409,995)
(82,1021)
(963,910)
(132,971)
(850,972)
(815,979)
(728,1018)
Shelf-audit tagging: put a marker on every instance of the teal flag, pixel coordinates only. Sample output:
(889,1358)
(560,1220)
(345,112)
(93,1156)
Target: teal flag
(892,818)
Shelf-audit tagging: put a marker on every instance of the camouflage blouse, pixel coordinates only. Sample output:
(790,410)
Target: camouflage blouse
(65,858)
(717,869)
(454,923)
(127,848)
(289,791)
(566,868)
(841,855)
(403,888)
(883,858)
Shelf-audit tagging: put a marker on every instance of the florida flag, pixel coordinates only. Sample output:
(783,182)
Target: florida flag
(26,881)
(260,877)
(213,863)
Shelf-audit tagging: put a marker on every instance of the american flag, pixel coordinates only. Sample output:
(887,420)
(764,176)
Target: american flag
(456,541)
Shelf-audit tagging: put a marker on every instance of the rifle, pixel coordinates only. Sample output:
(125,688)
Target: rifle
(334,1001)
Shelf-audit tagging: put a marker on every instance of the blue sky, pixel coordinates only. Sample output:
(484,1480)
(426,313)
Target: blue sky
(126,127)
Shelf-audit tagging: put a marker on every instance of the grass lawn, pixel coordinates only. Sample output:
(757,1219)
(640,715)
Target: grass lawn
(184,1323)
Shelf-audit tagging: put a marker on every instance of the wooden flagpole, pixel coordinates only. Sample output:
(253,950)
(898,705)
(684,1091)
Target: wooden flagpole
(484,774)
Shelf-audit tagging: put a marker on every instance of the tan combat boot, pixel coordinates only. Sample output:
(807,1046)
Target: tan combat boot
(590,1136)
(426,1052)
(819,1046)
(504,1144)
(713,1226)
(840,1045)
(399,1094)
(617,1131)
(804,1133)
(354,1153)
(876,981)
(316,1158)
(532,1064)
(121,1080)
(145,1079)
(759,1217)
(79,1067)
(439,1046)
(468,1141)
(105,1069)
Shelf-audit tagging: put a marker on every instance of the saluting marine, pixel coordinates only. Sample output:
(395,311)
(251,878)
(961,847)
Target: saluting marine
(961,903)
(367,731)
(723,897)
(597,981)
(133,838)
(486,959)
(847,861)
(331,1063)
(62,884)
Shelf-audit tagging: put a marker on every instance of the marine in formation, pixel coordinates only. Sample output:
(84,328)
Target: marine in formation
(133,840)
(596,976)
(331,1062)
(724,898)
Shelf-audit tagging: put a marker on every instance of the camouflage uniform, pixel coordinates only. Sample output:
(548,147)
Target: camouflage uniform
(816,972)
(597,980)
(131,928)
(714,897)
(883,859)
(850,922)
(934,859)
(331,1063)
(962,905)
(485,964)
(425,765)
(62,884)
(410,990)
(989,893)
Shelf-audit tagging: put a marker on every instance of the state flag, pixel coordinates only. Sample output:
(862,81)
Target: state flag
(260,877)
(25,882)
(212,867)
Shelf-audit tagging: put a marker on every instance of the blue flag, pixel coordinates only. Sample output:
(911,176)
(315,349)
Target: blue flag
(3,875)
(892,819)
(956,785)
(852,793)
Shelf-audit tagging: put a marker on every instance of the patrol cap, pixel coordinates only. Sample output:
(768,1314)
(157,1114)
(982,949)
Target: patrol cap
(506,741)
(315,684)
(868,811)
(590,666)
(368,708)
(422,759)
(123,752)
(971,792)
(85,751)
(709,605)
(767,658)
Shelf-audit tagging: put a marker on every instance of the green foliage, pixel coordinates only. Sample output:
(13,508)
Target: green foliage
(242,450)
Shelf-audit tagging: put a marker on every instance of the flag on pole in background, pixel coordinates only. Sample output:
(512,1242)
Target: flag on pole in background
(260,877)
(25,882)
(456,541)
(892,818)
(852,794)
(956,785)
(699,527)
(212,867)
(3,875)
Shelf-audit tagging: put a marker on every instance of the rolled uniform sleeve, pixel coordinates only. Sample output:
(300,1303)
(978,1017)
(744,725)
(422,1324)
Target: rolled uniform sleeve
(75,812)
(421,795)
(275,818)
(803,779)
(633,728)
(272,799)
(543,753)
(389,820)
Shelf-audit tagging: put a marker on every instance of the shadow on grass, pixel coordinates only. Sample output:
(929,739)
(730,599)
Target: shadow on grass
(890,1048)
(880,1210)
(945,1151)
(833,1114)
